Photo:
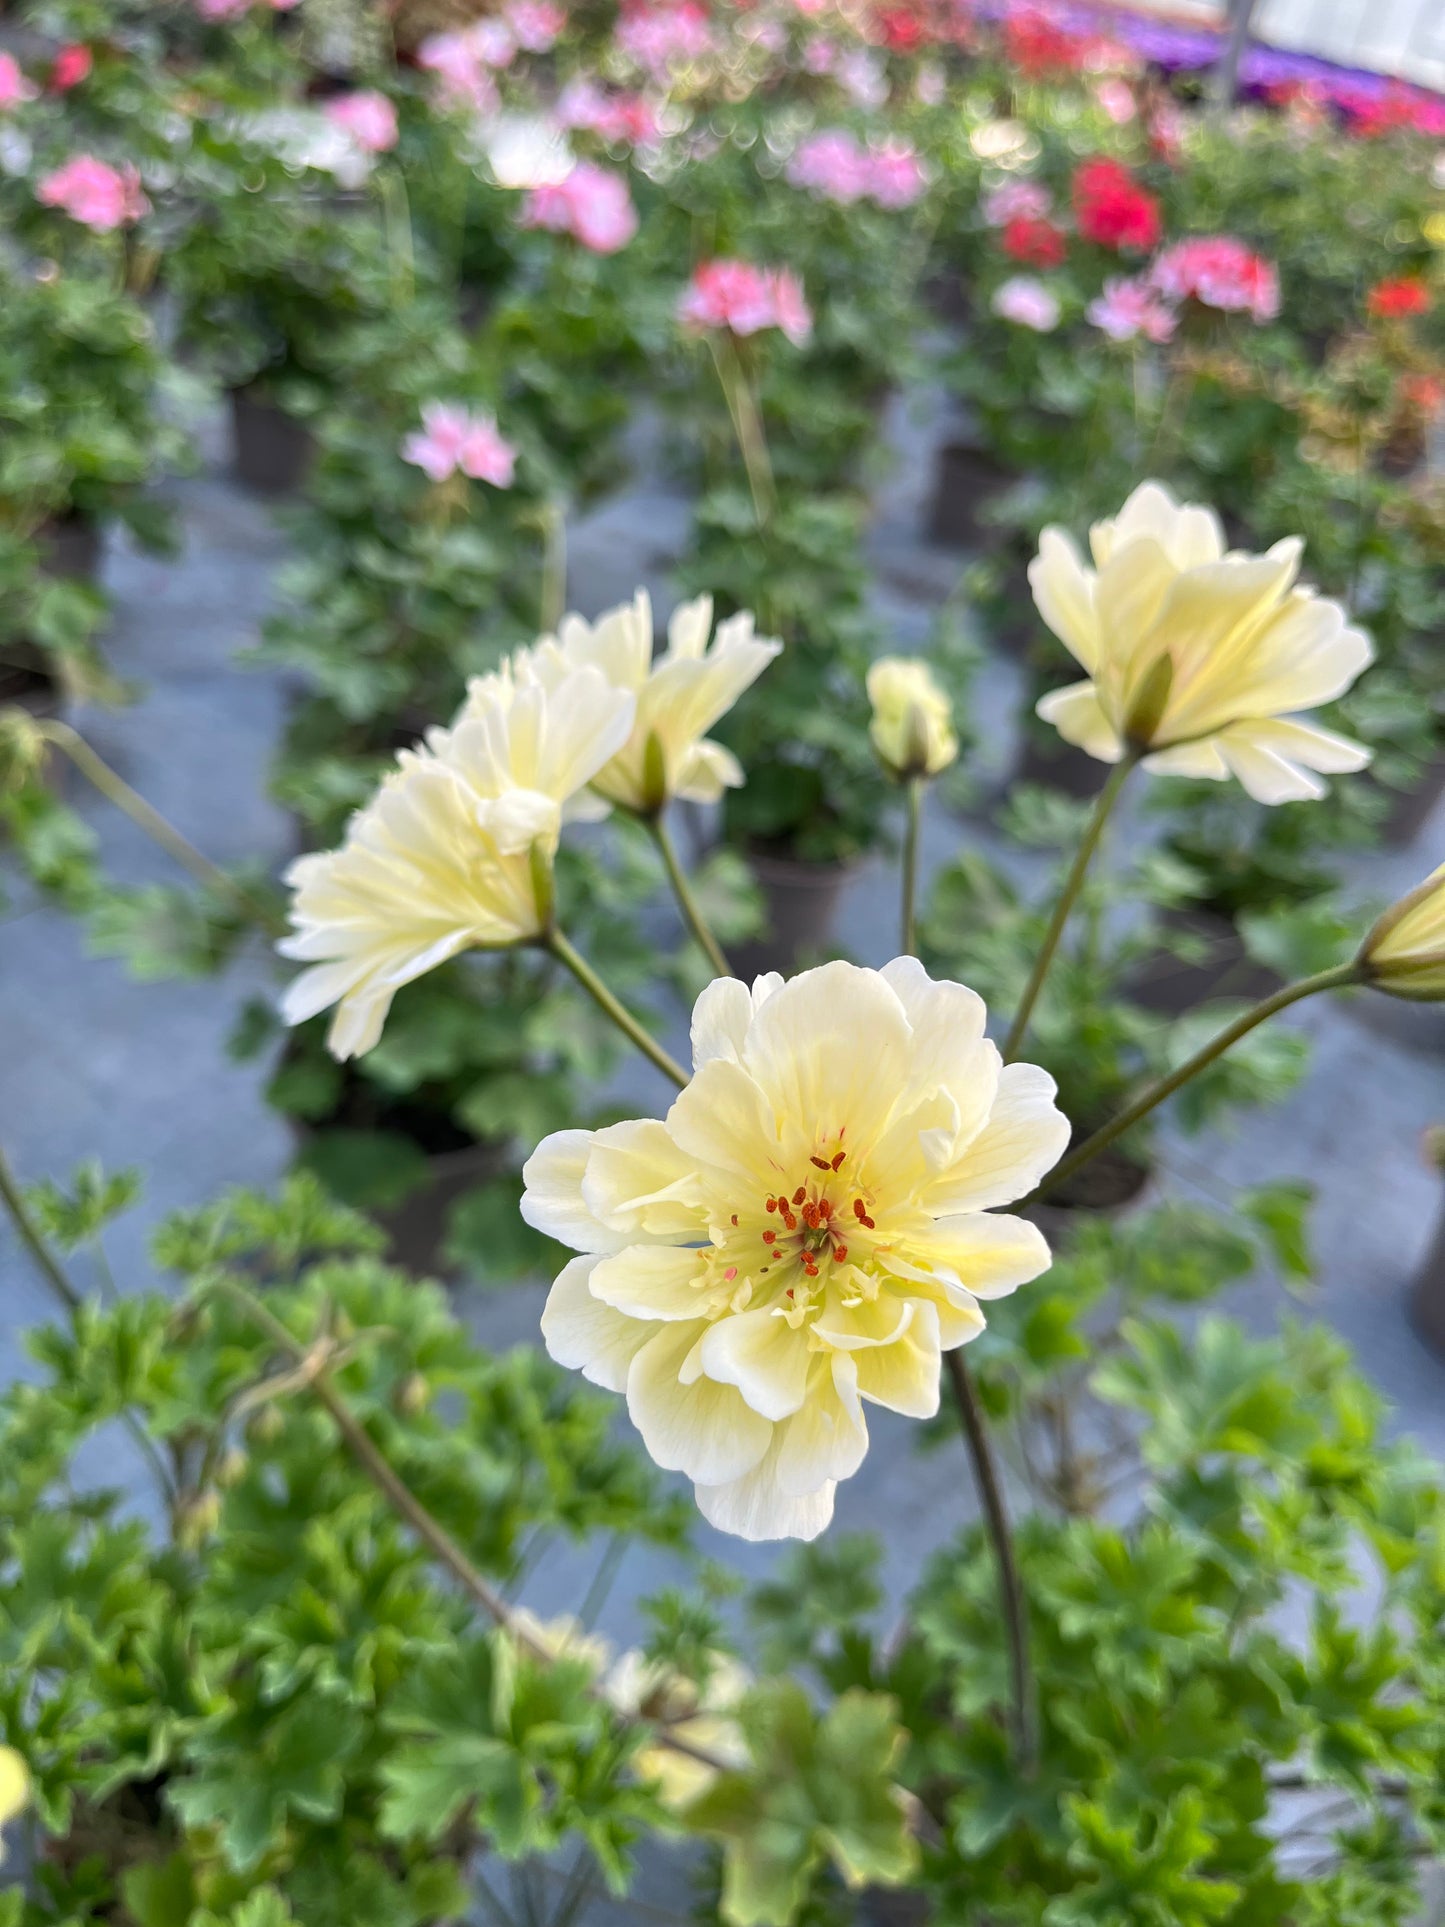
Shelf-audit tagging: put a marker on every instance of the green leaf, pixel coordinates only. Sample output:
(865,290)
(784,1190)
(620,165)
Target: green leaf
(1281,1210)
(373,1170)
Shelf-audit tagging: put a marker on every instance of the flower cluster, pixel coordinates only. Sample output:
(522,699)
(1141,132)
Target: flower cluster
(621,119)
(455,851)
(807,1230)
(95,194)
(1398,299)
(1200,657)
(1130,307)
(1112,209)
(843,170)
(590,203)
(368,117)
(452,440)
(1036,243)
(15,89)
(1220,272)
(1027,303)
(660,36)
(746,300)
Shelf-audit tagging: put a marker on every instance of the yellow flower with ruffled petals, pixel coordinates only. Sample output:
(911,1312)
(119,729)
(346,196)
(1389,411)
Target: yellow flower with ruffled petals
(1200,657)
(807,1230)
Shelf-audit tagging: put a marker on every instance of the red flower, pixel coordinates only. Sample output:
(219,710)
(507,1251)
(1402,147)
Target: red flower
(72,65)
(1111,207)
(1037,243)
(1393,300)
(901,31)
(1034,44)
(1424,393)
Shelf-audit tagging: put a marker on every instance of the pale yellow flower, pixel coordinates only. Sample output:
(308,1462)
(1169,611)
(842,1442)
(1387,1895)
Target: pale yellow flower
(1405,952)
(679,697)
(912,727)
(454,852)
(806,1231)
(1204,656)
(703,1719)
(14,1787)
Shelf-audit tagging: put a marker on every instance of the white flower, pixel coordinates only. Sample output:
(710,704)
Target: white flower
(912,728)
(807,1230)
(1203,656)
(1405,952)
(453,853)
(679,698)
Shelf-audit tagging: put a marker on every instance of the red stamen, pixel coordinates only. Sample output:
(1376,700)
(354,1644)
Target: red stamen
(770,1237)
(772,1204)
(840,1252)
(735,1217)
(731,1273)
(825,1207)
(800,1194)
(822,1163)
(858,1212)
(838,1160)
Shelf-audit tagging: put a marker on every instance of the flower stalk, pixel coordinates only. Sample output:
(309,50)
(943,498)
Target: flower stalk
(565,953)
(747,426)
(909,929)
(686,897)
(1340,978)
(1068,896)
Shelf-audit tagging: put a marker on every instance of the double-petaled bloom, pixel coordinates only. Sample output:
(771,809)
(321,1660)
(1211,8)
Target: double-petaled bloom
(455,851)
(1204,659)
(679,697)
(806,1231)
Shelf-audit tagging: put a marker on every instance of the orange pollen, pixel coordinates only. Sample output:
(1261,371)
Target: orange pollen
(838,1160)
(825,1207)
(800,1194)
(772,1204)
(822,1163)
(770,1237)
(840,1252)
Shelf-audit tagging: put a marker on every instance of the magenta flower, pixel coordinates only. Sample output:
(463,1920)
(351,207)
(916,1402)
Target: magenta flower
(94,194)
(14,87)
(1129,308)
(746,300)
(896,177)
(591,204)
(452,439)
(1027,303)
(369,118)
(1222,273)
(1016,201)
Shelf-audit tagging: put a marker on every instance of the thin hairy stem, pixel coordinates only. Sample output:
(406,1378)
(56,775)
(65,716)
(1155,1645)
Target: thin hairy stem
(1068,896)
(686,899)
(909,922)
(311,1363)
(1338,979)
(563,951)
(747,426)
(48,1266)
(116,790)
(1010,1587)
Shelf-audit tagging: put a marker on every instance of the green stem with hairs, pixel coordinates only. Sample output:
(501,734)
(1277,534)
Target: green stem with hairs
(909,931)
(1068,896)
(686,900)
(1340,978)
(146,818)
(563,951)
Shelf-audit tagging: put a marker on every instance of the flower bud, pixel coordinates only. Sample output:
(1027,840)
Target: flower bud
(231,1467)
(1404,955)
(15,1787)
(912,728)
(412,1396)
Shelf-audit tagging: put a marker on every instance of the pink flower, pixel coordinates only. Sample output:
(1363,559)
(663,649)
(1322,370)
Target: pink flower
(591,204)
(660,35)
(1222,273)
(1016,201)
(1116,97)
(820,55)
(1129,308)
(95,195)
(746,300)
(452,439)
(14,87)
(832,165)
(626,120)
(1027,303)
(860,74)
(536,25)
(71,65)
(368,117)
(235,9)
(463,77)
(896,175)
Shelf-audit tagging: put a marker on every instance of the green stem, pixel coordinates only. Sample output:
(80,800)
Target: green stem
(618,1012)
(116,790)
(1337,979)
(686,901)
(554,567)
(1010,1586)
(909,930)
(1073,882)
(747,426)
(46,1264)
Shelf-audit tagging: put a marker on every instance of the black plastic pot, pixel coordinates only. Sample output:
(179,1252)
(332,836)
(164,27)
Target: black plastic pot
(273,451)
(801,905)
